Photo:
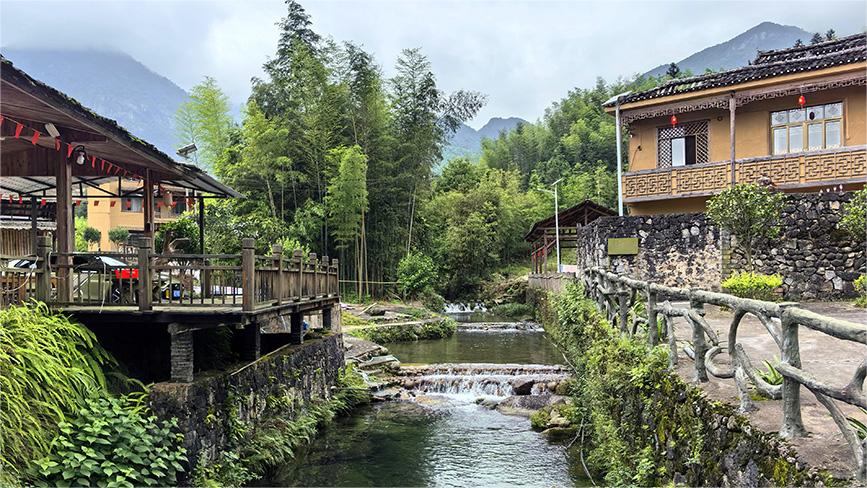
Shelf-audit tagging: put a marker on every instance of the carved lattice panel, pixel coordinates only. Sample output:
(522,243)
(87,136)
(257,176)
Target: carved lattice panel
(664,135)
(835,166)
(779,171)
(647,184)
(700,179)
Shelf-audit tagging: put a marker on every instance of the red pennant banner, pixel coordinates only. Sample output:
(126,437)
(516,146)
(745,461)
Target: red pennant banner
(10,199)
(102,164)
(2,118)
(35,137)
(174,203)
(57,143)
(109,166)
(69,149)
(18,128)
(20,199)
(42,202)
(93,162)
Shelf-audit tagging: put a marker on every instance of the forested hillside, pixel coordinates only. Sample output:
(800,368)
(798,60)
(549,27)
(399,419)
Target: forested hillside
(334,157)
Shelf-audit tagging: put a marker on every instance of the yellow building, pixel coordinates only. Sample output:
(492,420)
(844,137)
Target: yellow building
(107,213)
(794,118)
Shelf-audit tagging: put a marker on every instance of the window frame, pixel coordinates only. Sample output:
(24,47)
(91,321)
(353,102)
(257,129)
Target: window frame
(805,124)
(698,159)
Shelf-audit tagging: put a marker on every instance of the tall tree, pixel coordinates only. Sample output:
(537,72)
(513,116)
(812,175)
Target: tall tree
(347,203)
(205,120)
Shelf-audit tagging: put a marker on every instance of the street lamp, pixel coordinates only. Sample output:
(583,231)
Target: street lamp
(556,221)
(616,101)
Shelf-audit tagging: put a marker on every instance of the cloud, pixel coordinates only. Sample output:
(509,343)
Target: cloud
(523,54)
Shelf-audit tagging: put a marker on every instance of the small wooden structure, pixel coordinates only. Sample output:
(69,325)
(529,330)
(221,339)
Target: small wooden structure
(53,151)
(542,236)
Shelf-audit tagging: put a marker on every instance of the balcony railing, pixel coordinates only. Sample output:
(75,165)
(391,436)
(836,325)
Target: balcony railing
(801,170)
(145,280)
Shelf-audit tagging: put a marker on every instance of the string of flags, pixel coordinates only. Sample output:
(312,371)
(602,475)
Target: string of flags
(108,167)
(103,165)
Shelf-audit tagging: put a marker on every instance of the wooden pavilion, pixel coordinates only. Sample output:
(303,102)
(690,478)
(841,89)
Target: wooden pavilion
(53,154)
(543,235)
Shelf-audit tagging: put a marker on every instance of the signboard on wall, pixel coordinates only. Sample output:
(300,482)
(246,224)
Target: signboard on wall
(622,246)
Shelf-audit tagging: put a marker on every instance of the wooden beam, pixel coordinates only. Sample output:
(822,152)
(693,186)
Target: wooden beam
(148,205)
(732,109)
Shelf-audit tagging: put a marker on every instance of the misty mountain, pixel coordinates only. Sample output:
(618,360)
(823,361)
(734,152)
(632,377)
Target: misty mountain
(467,142)
(739,50)
(112,84)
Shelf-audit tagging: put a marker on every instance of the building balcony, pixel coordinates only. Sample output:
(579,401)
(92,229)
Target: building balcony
(829,167)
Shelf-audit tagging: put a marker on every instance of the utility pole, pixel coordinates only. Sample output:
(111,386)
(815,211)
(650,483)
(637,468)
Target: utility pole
(557,222)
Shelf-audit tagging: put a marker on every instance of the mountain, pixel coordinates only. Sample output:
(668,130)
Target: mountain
(467,142)
(112,84)
(739,50)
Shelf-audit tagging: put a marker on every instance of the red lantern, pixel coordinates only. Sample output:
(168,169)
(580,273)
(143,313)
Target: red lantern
(42,202)
(802,100)
(673,120)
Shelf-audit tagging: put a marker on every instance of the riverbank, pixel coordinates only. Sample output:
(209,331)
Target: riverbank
(642,424)
(392,322)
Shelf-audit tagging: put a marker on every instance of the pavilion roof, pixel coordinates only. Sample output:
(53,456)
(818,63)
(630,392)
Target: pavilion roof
(29,169)
(582,213)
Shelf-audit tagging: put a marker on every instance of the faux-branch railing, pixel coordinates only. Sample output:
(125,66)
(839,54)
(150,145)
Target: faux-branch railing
(616,294)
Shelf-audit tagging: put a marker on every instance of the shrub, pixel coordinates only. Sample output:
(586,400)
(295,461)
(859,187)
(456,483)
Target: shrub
(432,300)
(183,227)
(748,211)
(515,311)
(861,288)
(91,236)
(49,366)
(113,442)
(118,236)
(416,273)
(854,220)
(753,285)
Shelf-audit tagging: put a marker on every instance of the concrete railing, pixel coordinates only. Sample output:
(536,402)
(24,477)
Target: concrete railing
(615,295)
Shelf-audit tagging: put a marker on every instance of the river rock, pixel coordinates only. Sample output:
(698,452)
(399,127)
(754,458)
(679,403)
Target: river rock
(557,421)
(522,386)
(525,405)
(560,433)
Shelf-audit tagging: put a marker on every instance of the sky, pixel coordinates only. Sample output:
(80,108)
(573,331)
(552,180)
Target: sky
(523,55)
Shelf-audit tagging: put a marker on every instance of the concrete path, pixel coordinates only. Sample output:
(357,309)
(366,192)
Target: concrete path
(831,360)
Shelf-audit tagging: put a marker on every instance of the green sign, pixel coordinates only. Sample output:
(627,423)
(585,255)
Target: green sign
(622,246)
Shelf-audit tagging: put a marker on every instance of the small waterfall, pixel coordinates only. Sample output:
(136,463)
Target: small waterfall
(483,380)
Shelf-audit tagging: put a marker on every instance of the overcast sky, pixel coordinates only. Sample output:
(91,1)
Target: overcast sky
(522,54)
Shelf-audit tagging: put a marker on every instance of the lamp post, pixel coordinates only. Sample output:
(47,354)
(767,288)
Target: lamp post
(616,101)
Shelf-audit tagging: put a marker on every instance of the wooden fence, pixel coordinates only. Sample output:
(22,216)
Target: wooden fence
(144,279)
(616,294)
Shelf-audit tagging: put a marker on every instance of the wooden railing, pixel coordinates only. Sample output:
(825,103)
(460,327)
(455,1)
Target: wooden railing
(814,168)
(616,294)
(144,279)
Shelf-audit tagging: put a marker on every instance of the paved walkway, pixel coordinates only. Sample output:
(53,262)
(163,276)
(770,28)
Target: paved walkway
(829,359)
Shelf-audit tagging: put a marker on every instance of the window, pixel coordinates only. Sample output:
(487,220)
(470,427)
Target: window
(682,144)
(811,128)
(131,204)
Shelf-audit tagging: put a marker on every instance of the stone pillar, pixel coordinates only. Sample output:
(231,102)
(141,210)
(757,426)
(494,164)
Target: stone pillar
(790,353)
(181,353)
(251,342)
(327,317)
(296,328)
(698,342)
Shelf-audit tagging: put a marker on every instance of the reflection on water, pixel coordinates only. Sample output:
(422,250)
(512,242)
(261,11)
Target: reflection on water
(445,442)
(480,347)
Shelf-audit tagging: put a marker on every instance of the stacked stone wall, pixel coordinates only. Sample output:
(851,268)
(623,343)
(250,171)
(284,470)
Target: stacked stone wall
(816,259)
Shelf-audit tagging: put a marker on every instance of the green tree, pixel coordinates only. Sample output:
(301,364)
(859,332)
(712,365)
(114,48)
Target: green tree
(748,211)
(184,227)
(673,70)
(830,35)
(854,219)
(347,203)
(416,274)
(205,120)
(816,39)
(91,236)
(118,236)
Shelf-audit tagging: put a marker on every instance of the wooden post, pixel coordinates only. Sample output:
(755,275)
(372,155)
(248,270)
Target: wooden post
(145,280)
(298,259)
(326,263)
(148,206)
(34,213)
(790,354)
(201,222)
(732,135)
(623,305)
(65,229)
(248,273)
(251,339)
(335,276)
(43,284)
(545,253)
(327,318)
(315,264)
(277,252)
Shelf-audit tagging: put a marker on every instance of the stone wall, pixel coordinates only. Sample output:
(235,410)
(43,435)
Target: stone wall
(815,258)
(211,406)
(675,250)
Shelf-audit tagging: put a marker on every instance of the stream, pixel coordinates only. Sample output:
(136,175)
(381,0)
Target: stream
(442,437)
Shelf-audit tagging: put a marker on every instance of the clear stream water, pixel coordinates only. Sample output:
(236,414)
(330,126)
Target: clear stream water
(443,440)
